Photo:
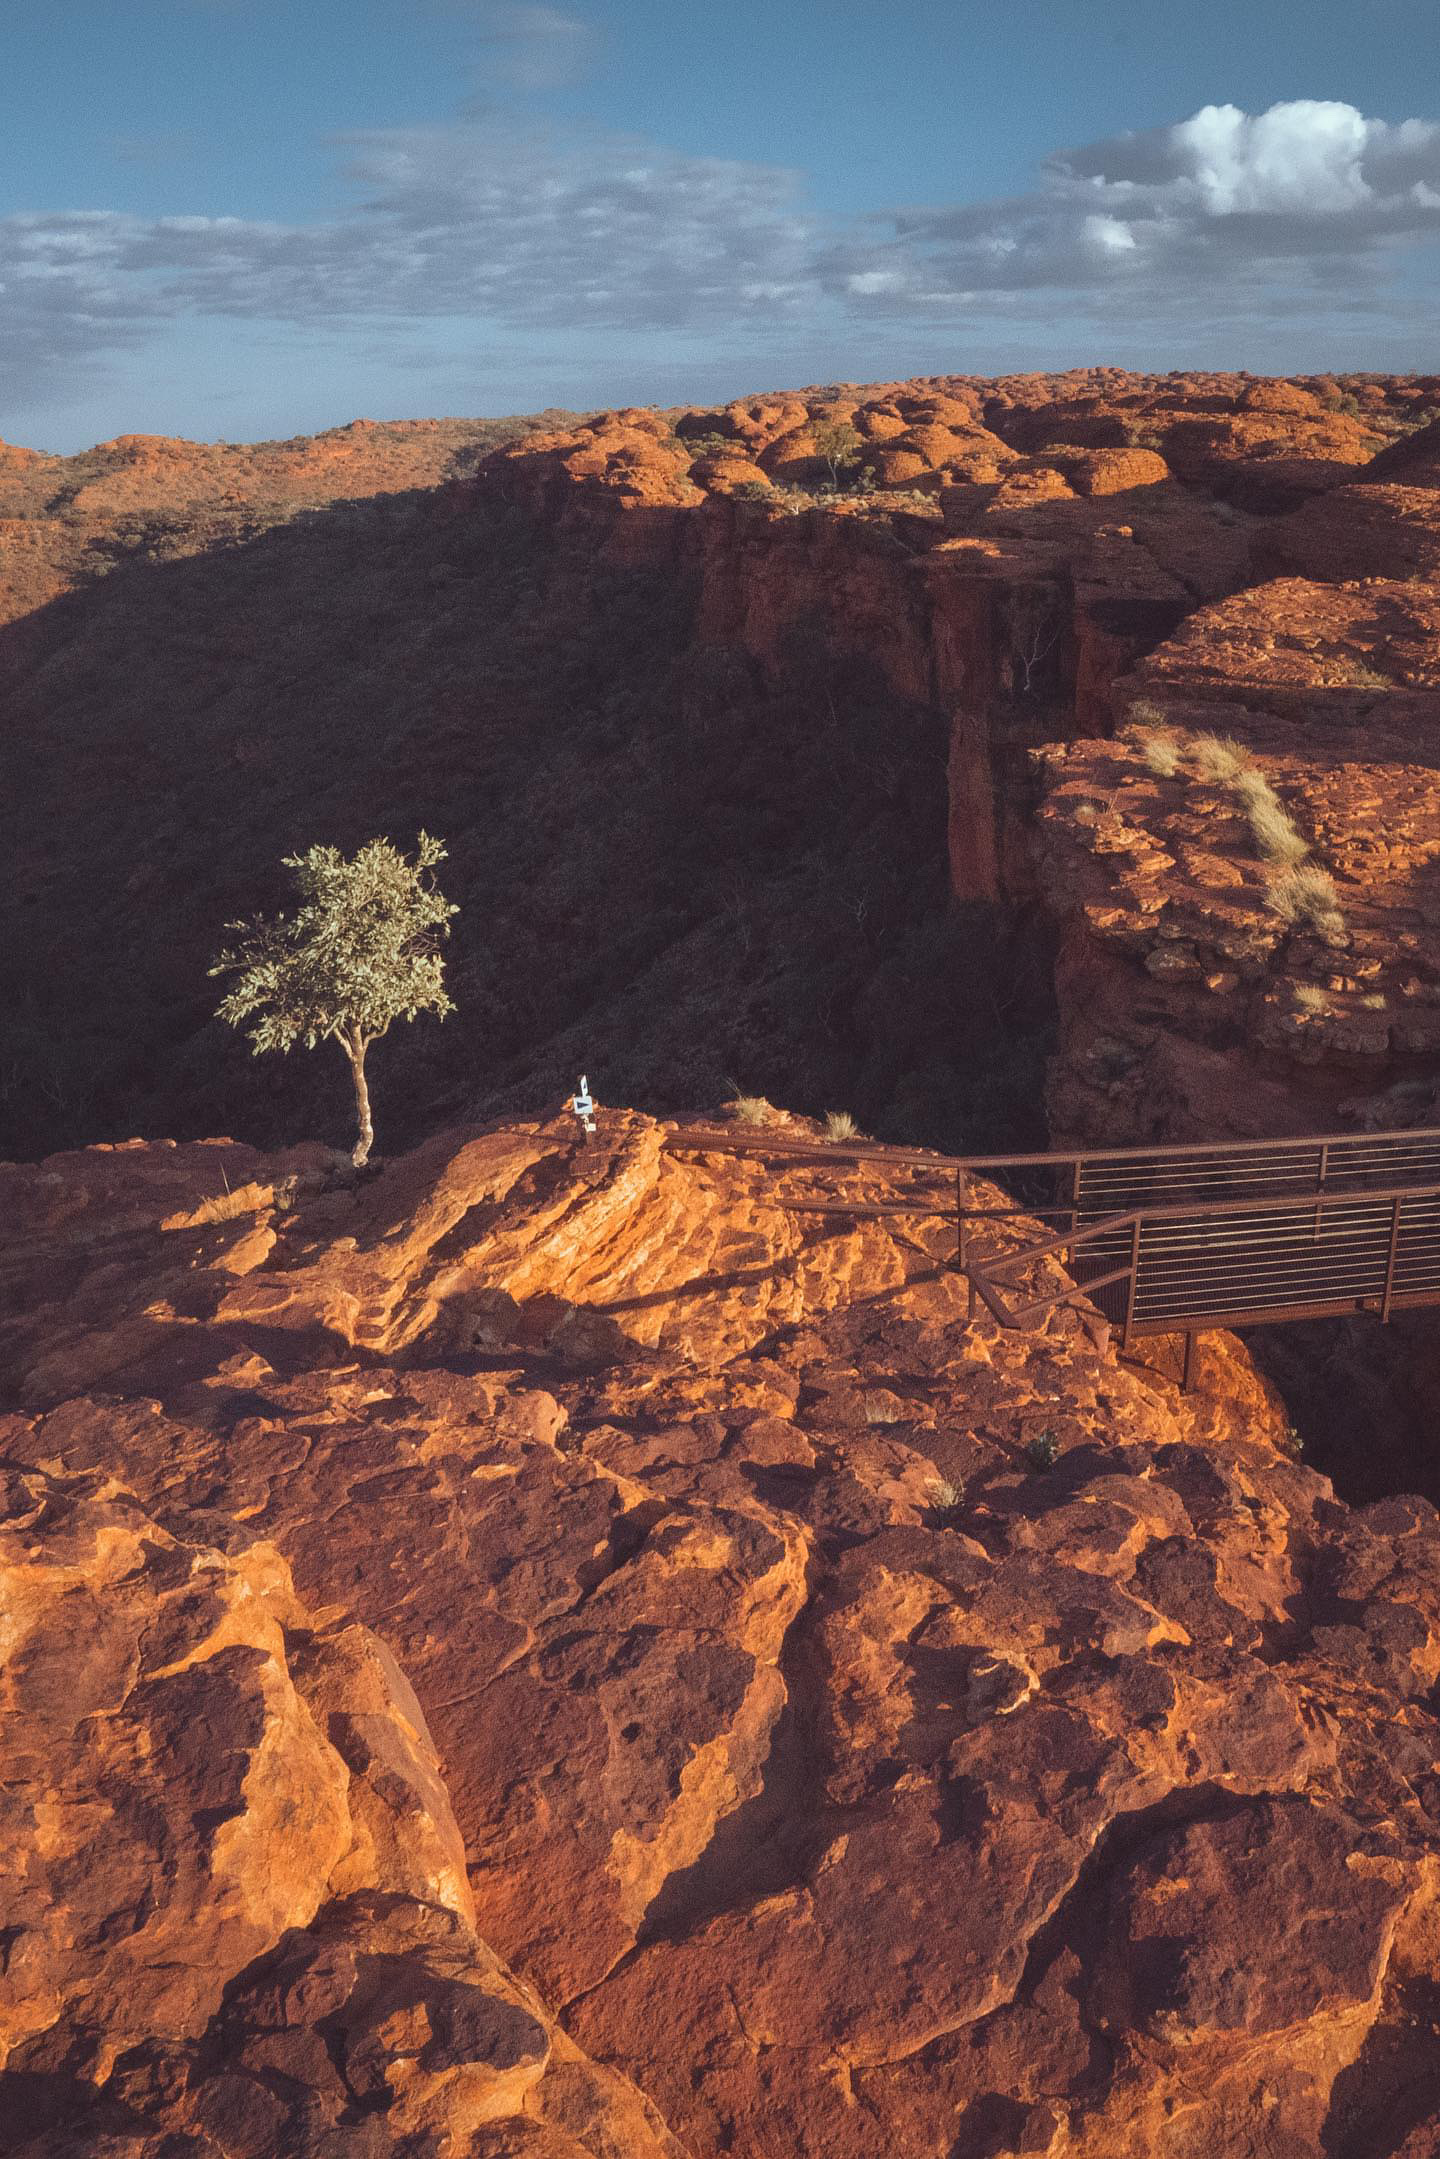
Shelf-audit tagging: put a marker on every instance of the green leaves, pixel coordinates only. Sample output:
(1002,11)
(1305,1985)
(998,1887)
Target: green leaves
(359,951)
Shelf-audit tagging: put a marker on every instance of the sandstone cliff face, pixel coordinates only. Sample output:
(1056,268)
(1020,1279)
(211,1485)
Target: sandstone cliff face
(649,625)
(841,1779)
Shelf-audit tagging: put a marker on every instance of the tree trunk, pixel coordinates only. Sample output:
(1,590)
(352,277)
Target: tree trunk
(355,1047)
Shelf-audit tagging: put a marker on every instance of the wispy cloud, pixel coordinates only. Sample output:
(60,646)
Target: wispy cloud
(1302,208)
(522,47)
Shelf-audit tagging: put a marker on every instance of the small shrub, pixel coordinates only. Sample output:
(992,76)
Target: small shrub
(1043,1450)
(752,491)
(1218,757)
(710,445)
(946,1498)
(1310,997)
(1306,897)
(839,1124)
(1363,677)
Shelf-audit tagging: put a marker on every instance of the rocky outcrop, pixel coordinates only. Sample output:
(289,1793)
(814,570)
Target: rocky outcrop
(235,1906)
(866,1729)
(1202,991)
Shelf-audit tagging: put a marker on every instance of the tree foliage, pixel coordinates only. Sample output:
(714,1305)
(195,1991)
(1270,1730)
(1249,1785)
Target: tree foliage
(838,444)
(359,952)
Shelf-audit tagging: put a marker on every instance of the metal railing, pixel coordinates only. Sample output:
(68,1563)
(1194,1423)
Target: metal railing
(1176,1239)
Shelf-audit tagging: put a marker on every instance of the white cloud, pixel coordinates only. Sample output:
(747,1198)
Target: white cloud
(534,229)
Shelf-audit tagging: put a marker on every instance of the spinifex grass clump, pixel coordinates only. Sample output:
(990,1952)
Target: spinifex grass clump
(1300,892)
(1306,898)
(1218,757)
(1275,832)
(1162,756)
(840,1125)
(946,1498)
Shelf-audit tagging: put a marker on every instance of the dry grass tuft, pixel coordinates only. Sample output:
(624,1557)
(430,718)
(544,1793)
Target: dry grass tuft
(1306,898)
(839,1124)
(1162,756)
(1311,998)
(1144,712)
(1375,1002)
(945,1497)
(1218,757)
(1276,834)
(751,1109)
(226,1206)
(882,1409)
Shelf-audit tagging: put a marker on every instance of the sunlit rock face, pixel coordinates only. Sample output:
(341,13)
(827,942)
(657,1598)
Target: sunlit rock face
(629,1563)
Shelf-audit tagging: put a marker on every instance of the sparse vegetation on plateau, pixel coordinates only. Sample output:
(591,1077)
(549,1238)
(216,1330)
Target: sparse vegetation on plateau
(840,1125)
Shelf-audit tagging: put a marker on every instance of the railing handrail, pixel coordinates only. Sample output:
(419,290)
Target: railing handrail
(1179,1150)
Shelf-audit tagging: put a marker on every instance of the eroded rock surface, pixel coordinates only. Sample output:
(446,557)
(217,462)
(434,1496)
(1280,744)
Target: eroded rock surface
(839,1778)
(235,1907)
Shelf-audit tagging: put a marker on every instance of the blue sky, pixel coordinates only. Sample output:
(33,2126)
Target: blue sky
(244,218)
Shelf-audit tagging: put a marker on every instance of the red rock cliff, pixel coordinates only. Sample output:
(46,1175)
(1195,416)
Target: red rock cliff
(842,1778)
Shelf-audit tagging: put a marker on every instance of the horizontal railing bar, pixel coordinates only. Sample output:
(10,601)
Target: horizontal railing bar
(1206,1148)
(1220,1266)
(1217,1269)
(1288,1245)
(1210,1286)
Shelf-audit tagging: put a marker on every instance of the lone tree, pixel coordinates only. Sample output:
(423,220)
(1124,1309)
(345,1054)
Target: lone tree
(359,952)
(838,444)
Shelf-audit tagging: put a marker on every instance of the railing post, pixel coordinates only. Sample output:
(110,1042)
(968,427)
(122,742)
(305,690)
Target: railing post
(1395,1206)
(1130,1287)
(1320,1182)
(962,1191)
(1189,1356)
(1075,1194)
